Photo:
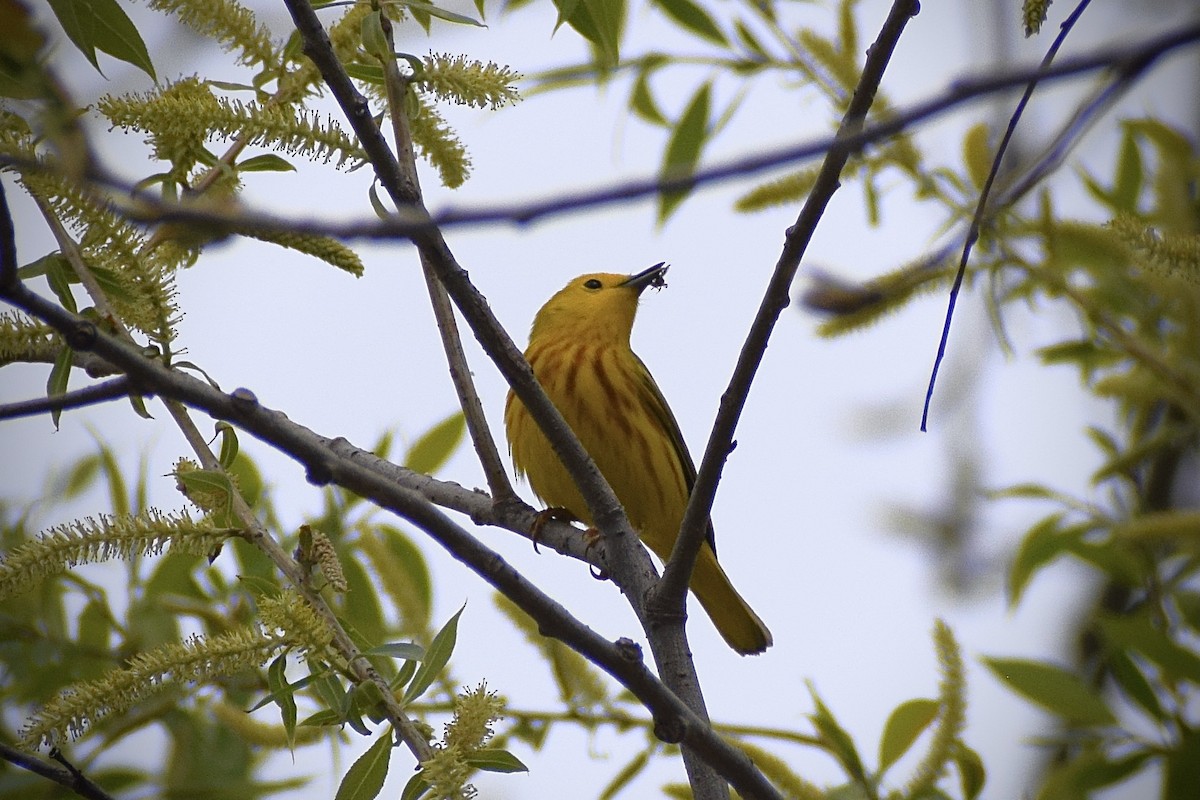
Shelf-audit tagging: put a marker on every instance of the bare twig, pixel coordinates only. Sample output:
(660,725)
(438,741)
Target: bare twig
(456,360)
(139,206)
(87,396)
(672,589)
(675,722)
(68,776)
(628,563)
(1130,69)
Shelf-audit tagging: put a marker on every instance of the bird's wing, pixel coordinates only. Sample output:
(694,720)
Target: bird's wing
(657,404)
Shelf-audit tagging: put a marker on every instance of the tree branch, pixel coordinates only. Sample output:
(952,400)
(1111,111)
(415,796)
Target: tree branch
(628,562)
(675,722)
(79,398)
(140,206)
(977,218)
(672,590)
(456,360)
(68,777)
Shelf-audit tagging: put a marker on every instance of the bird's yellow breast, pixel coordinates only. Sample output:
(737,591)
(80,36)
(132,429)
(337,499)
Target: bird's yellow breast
(601,391)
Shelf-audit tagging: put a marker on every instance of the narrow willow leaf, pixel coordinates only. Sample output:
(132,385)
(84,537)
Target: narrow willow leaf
(1053,688)
(1142,635)
(1134,684)
(102,25)
(625,775)
(436,657)
(1042,544)
(642,102)
(683,149)
(1127,186)
(836,740)
(694,18)
(267,162)
(436,446)
(405,650)
(493,759)
(908,721)
(416,787)
(60,375)
(229,444)
(971,772)
(364,780)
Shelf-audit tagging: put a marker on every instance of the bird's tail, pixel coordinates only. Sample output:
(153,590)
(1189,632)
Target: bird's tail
(737,623)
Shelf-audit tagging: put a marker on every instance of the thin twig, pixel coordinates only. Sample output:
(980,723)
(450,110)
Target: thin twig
(978,217)
(675,721)
(68,777)
(443,311)
(628,563)
(78,398)
(405,224)
(673,587)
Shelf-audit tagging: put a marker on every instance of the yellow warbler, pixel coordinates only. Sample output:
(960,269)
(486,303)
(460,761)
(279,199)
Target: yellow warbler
(579,351)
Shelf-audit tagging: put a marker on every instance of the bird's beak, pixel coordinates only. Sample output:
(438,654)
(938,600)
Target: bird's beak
(648,277)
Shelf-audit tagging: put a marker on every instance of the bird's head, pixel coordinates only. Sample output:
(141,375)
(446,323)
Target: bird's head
(596,307)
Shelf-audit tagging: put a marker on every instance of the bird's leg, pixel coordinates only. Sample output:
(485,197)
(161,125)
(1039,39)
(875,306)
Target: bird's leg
(592,537)
(556,513)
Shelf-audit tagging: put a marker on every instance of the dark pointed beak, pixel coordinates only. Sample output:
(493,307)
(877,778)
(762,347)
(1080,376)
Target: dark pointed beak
(648,277)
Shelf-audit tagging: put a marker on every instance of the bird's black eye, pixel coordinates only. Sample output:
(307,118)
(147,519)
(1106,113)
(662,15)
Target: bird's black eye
(594,283)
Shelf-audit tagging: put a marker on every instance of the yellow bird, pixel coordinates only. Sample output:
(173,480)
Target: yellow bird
(579,351)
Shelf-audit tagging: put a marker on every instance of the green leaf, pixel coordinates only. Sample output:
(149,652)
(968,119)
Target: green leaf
(626,774)
(405,650)
(283,694)
(1188,604)
(1134,684)
(1054,688)
(102,25)
(905,724)
(60,277)
(1042,544)
(1141,634)
(362,601)
(494,759)
(267,162)
(229,444)
(367,73)
(971,771)
(684,148)
(1182,769)
(60,375)
(364,780)
(836,740)
(436,11)
(436,658)
(374,40)
(750,41)
(642,102)
(417,785)
(694,18)
(433,449)
(601,22)
(1127,186)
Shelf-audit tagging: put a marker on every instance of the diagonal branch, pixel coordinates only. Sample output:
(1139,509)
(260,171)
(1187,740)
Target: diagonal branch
(675,722)
(460,373)
(672,589)
(69,777)
(981,206)
(628,562)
